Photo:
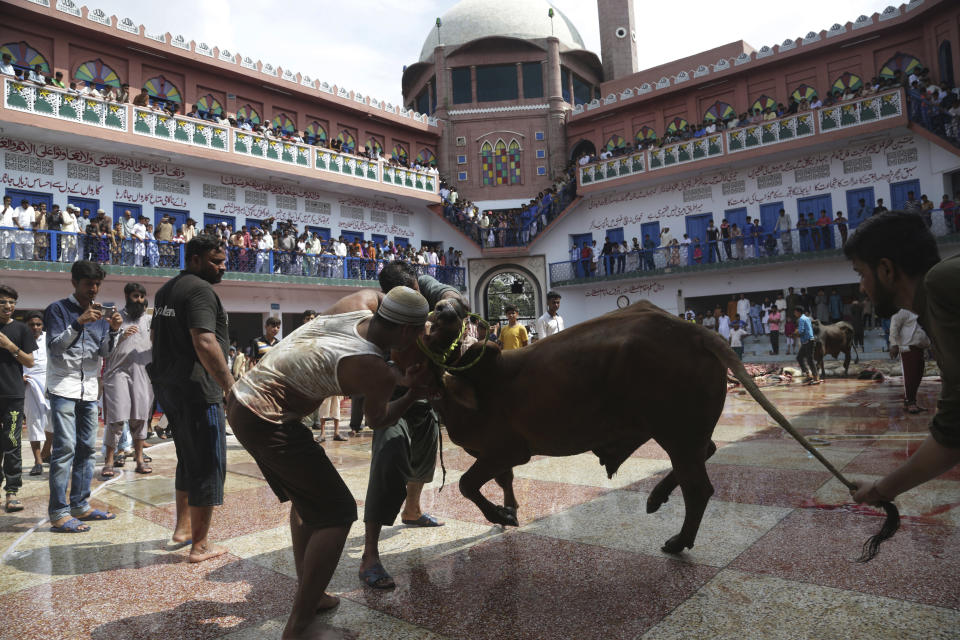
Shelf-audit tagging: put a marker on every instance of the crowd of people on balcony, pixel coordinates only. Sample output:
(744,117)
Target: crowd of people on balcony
(510,227)
(935,106)
(31,232)
(732,242)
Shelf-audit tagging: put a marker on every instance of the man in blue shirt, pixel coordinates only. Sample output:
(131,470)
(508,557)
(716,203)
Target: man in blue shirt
(805,354)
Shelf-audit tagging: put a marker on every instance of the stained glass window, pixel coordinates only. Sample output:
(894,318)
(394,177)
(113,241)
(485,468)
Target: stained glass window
(500,164)
(347,141)
(400,151)
(719,111)
(426,158)
(248,113)
(646,133)
(375,145)
(763,102)
(96,73)
(24,55)
(162,90)
(901,62)
(616,142)
(847,81)
(209,104)
(804,92)
(315,132)
(676,125)
(486,164)
(284,122)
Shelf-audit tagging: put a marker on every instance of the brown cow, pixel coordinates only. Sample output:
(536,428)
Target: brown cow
(512,405)
(833,339)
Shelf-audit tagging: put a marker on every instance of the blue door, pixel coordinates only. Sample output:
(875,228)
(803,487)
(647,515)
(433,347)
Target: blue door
(350,236)
(736,217)
(379,240)
(323,232)
(33,197)
(614,235)
(215,219)
(811,240)
(651,229)
(898,193)
(253,223)
(119,207)
(769,213)
(179,217)
(697,232)
(85,203)
(582,268)
(399,241)
(854,215)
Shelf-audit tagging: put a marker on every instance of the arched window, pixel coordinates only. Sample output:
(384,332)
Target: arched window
(719,112)
(763,102)
(847,82)
(486,164)
(400,152)
(315,133)
(162,91)
(249,114)
(513,158)
(374,145)
(676,125)
(500,164)
(98,74)
(426,158)
(900,62)
(945,58)
(347,141)
(645,134)
(804,92)
(25,56)
(283,122)
(209,105)
(616,141)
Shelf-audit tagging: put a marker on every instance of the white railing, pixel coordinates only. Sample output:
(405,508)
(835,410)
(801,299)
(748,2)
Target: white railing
(158,124)
(346,164)
(258,146)
(63,105)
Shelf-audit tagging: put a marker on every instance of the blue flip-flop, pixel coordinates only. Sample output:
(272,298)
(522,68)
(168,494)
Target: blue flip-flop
(70,526)
(96,514)
(425,520)
(375,576)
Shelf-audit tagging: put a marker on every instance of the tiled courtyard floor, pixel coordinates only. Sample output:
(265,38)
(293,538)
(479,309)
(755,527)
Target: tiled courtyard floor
(774,557)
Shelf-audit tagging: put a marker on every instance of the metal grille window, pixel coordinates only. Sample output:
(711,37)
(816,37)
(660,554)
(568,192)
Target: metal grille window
(171,185)
(220,192)
(378,216)
(27,164)
(123,178)
(258,198)
(313,206)
(401,219)
(83,172)
(287,202)
(353,213)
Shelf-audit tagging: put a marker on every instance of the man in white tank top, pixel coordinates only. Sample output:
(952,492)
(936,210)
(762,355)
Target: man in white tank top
(341,354)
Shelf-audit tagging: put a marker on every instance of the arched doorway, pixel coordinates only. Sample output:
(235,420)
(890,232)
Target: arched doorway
(509,284)
(582,147)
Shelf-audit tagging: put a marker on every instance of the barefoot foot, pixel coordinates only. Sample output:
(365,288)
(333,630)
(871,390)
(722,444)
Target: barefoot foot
(327,602)
(199,553)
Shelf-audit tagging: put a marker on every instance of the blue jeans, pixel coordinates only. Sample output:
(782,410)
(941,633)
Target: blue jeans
(72,457)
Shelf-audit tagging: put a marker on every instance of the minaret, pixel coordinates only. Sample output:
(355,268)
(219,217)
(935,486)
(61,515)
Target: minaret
(618,38)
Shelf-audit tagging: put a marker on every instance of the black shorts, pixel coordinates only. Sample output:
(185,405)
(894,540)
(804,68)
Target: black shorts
(295,467)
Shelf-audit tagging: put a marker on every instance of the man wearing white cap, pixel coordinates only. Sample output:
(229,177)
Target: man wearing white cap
(343,354)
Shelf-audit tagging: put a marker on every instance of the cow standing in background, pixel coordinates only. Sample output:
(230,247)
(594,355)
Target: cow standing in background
(833,339)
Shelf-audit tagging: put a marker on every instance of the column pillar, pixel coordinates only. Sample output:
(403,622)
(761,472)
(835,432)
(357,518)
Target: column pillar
(520,80)
(557,110)
(473,83)
(446,161)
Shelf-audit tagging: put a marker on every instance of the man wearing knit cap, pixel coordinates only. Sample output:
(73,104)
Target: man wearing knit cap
(342,354)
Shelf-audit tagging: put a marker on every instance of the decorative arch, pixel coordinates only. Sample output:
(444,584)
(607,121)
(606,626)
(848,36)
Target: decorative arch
(847,82)
(531,286)
(347,141)
(209,104)
(162,90)
(804,92)
(283,122)
(676,125)
(719,112)
(315,133)
(763,102)
(645,134)
(23,55)
(97,73)
(372,144)
(427,158)
(500,164)
(249,114)
(900,62)
(615,141)
(400,152)
(583,146)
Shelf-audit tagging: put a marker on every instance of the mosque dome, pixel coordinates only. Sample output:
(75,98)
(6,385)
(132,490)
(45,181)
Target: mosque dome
(471,20)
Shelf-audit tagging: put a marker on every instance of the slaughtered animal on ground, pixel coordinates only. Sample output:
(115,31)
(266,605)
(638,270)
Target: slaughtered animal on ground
(581,390)
(833,339)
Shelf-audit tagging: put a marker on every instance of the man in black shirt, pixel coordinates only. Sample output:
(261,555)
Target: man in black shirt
(190,375)
(16,352)
(713,236)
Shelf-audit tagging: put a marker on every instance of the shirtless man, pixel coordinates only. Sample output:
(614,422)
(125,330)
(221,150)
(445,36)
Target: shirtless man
(342,354)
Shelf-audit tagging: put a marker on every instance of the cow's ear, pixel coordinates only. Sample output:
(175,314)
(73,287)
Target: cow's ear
(460,391)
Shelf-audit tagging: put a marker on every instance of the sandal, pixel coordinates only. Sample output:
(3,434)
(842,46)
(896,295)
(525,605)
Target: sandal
(13,503)
(143,468)
(147,458)
(119,460)
(96,514)
(376,577)
(339,438)
(160,433)
(70,526)
(913,407)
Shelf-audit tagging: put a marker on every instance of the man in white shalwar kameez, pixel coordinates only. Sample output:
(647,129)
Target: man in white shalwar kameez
(127,394)
(36,406)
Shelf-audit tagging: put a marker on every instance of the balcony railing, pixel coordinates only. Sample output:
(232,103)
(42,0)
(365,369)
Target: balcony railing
(755,136)
(179,129)
(806,243)
(37,246)
(65,105)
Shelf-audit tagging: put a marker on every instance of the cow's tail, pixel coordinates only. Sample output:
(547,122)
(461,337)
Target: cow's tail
(729,359)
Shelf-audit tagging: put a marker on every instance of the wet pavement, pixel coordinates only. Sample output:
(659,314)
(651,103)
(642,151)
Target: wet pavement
(775,556)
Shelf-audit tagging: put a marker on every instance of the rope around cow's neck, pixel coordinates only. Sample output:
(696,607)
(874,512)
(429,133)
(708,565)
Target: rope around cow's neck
(440,359)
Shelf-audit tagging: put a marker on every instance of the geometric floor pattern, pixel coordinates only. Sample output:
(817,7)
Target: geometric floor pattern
(775,555)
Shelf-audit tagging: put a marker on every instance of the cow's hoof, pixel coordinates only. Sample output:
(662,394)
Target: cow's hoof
(656,500)
(675,545)
(505,516)
(511,511)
